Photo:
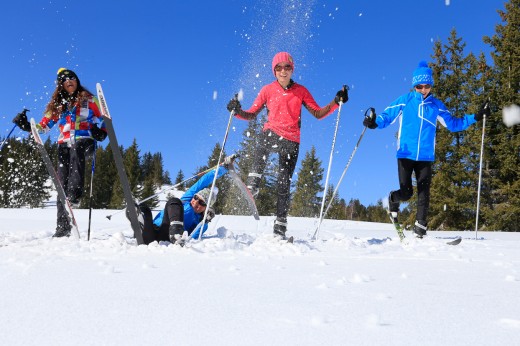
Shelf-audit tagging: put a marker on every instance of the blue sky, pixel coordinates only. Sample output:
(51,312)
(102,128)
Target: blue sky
(168,68)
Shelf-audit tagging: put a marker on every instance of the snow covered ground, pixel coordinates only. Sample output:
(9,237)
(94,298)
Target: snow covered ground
(357,285)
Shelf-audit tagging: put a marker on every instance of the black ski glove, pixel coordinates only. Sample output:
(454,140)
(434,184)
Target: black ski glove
(234,105)
(342,95)
(210,214)
(21,120)
(370,119)
(484,110)
(98,134)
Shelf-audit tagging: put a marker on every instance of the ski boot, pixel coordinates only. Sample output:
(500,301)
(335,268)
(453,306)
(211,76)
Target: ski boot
(419,229)
(393,206)
(176,229)
(279,229)
(61,232)
(63,227)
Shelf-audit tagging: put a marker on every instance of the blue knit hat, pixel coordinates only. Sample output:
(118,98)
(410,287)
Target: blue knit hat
(422,74)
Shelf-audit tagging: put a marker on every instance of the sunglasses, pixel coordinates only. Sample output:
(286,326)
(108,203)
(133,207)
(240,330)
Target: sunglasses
(279,68)
(421,86)
(199,200)
(64,79)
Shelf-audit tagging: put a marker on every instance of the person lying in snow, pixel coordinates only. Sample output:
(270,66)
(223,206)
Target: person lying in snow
(185,213)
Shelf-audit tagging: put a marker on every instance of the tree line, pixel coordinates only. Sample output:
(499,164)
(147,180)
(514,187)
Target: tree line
(24,180)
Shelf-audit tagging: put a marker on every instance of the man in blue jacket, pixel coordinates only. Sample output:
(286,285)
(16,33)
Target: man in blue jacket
(185,213)
(418,112)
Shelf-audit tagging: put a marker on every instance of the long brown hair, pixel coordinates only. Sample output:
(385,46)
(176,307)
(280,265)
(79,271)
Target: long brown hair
(61,100)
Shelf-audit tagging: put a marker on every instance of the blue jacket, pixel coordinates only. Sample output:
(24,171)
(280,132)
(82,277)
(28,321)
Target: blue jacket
(418,124)
(191,219)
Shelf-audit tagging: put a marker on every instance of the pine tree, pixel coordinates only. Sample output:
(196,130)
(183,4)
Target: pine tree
(105,178)
(378,213)
(146,166)
(502,210)
(24,180)
(132,162)
(149,188)
(117,197)
(336,210)
(305,201)
(179,179)
(356,211)
(158,174)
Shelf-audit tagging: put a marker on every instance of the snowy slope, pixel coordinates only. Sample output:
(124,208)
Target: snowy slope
(357,285)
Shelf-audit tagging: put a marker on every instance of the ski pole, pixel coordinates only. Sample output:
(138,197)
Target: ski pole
(372,115)
(91,183)
(231,114)
(164,190)
(330,162)
(6,138)
(486,105)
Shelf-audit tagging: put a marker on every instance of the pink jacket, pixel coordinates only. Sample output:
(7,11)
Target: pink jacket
(284,109)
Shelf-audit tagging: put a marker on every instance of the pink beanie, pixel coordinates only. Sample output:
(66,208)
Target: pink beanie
(282,57)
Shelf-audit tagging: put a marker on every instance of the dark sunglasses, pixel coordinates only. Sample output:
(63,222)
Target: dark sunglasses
(64,79)
(425,86)
(279,68)
(199,200)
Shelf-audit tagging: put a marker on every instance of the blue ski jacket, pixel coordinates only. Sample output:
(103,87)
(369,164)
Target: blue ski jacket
(418,124)
(191,219)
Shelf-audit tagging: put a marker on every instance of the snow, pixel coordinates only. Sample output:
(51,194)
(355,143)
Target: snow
(511,115)
(356,285)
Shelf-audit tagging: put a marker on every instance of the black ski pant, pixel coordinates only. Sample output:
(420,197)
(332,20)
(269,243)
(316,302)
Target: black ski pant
(269,142)
(173,211)
(423,176)
(71,173)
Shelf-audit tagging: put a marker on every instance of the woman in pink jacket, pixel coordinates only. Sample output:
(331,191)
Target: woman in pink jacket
(283,99)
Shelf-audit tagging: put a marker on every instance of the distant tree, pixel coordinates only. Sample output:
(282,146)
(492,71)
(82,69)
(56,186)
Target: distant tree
(24,180)
(356,211)
(305,198)
(377,213)
(149,188)
(501,208)
(336,210)
(179,180)
(105,177)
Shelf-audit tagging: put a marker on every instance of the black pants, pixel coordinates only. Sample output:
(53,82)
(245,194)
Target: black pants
(423,175)
(71,172)
(173,211)
(269,142)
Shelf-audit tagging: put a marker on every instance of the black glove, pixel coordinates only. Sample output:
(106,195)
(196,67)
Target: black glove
(210,214)
(21,120)
(342,95)
(370,119)
(484,110)
(98,134)
(234,105)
